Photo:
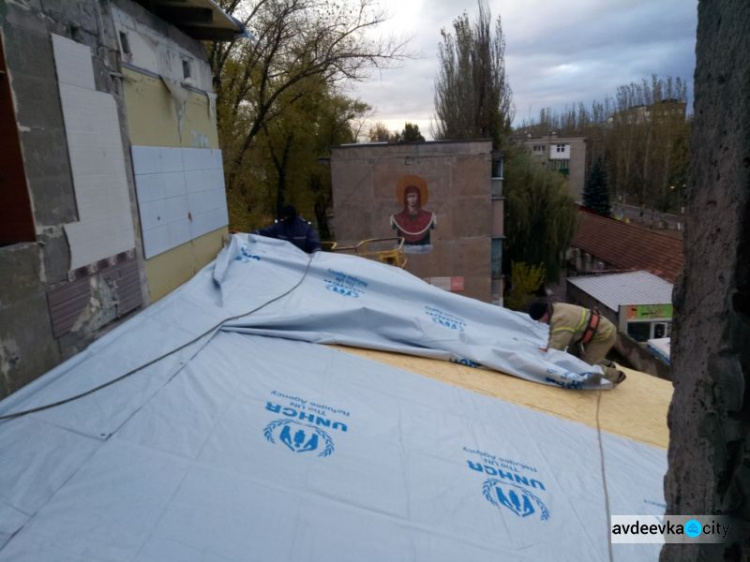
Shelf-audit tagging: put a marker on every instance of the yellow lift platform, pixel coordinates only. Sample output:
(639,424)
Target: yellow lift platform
(385,250)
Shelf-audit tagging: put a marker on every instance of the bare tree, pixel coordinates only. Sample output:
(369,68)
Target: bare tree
(472,95)
(293,41)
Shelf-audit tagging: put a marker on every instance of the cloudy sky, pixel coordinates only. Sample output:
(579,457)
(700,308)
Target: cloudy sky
(557,54)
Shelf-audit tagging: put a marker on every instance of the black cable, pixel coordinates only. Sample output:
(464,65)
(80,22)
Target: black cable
(164,356)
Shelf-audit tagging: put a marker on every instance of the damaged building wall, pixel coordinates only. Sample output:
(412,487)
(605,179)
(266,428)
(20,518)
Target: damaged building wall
(171,115)
(51,307)
(454,184)
(75,266)
(709,451)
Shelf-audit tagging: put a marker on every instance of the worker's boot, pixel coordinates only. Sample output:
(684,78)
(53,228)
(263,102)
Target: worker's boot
(613,375)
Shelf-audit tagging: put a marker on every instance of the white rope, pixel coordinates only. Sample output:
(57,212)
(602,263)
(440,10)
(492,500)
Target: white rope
(604,476)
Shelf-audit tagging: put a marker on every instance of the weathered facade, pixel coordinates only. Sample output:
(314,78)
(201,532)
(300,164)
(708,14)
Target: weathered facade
(112,186)
(454,234)
(709,450)
(566,155)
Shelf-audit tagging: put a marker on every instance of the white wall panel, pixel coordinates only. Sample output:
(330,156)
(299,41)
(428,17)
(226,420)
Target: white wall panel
(180,195)
(179,232)
(73,63)
(145,159)
(170,159)
(149,187)
(176,209)
(92,129)
(174,184)
(192,159)
(157,241)
(194,181)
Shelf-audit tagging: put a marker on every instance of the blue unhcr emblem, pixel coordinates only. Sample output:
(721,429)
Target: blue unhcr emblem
(515,498)
(299,438)
(246,256)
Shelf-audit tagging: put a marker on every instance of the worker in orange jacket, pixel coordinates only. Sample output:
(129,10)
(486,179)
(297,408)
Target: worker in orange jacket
(571,326)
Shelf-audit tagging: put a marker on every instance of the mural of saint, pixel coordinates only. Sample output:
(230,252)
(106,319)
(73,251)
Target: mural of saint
(413,222)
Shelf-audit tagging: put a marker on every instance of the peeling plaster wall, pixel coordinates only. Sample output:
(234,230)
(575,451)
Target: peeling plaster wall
(49,309)
(166,110)
(153,119)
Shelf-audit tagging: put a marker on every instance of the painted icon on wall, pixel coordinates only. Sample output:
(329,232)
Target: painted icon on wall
(414,223)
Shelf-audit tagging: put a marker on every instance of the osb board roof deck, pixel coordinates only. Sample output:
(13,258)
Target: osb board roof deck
(627,247)
(637,409)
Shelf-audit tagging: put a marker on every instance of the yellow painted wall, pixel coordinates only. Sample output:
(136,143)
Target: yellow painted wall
(171,269)
(153,121)
(152,115)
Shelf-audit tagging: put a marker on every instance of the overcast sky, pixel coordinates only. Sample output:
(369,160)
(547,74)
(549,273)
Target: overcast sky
(557,54)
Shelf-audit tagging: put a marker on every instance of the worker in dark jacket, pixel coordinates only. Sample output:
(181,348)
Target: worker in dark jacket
(292,228)
(571,326)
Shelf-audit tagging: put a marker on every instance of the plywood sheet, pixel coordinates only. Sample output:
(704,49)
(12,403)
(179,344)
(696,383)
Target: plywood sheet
(637,409)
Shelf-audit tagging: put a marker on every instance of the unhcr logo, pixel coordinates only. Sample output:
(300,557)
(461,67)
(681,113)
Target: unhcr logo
(517,499)
(246,256)
(299,438)
(510,485)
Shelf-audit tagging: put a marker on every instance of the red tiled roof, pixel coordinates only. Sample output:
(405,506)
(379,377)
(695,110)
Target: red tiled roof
(627,247)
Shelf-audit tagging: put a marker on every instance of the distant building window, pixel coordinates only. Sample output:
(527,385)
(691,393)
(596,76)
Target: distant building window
(561,147)
(538,148)
(187,69)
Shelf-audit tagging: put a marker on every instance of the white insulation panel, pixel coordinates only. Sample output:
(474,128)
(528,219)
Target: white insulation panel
(181,195)
(92,129)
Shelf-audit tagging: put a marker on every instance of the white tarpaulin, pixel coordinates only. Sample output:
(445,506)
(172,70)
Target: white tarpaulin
(242,446)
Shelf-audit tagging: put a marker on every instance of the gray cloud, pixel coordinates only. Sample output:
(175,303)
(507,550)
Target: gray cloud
(558,54)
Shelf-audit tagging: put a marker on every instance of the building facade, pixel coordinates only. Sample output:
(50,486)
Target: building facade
(566,155)
(113,186)
(444,198)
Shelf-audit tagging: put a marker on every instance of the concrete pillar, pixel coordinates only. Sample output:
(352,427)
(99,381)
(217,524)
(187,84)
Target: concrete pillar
(709,451)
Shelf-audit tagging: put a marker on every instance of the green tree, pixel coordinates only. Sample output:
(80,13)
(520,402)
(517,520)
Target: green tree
(287,164)
(525,280)
(541,216)
(596,190)
(472,95)
(411,133)
(379,132)
(642,135)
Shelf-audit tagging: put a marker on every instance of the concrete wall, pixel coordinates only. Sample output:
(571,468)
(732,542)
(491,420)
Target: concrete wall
(709,419)
(458,177)
(640,359)
(577,148)
(50,308)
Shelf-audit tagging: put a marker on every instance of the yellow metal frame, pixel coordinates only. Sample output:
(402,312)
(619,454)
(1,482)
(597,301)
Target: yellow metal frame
(367,249)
